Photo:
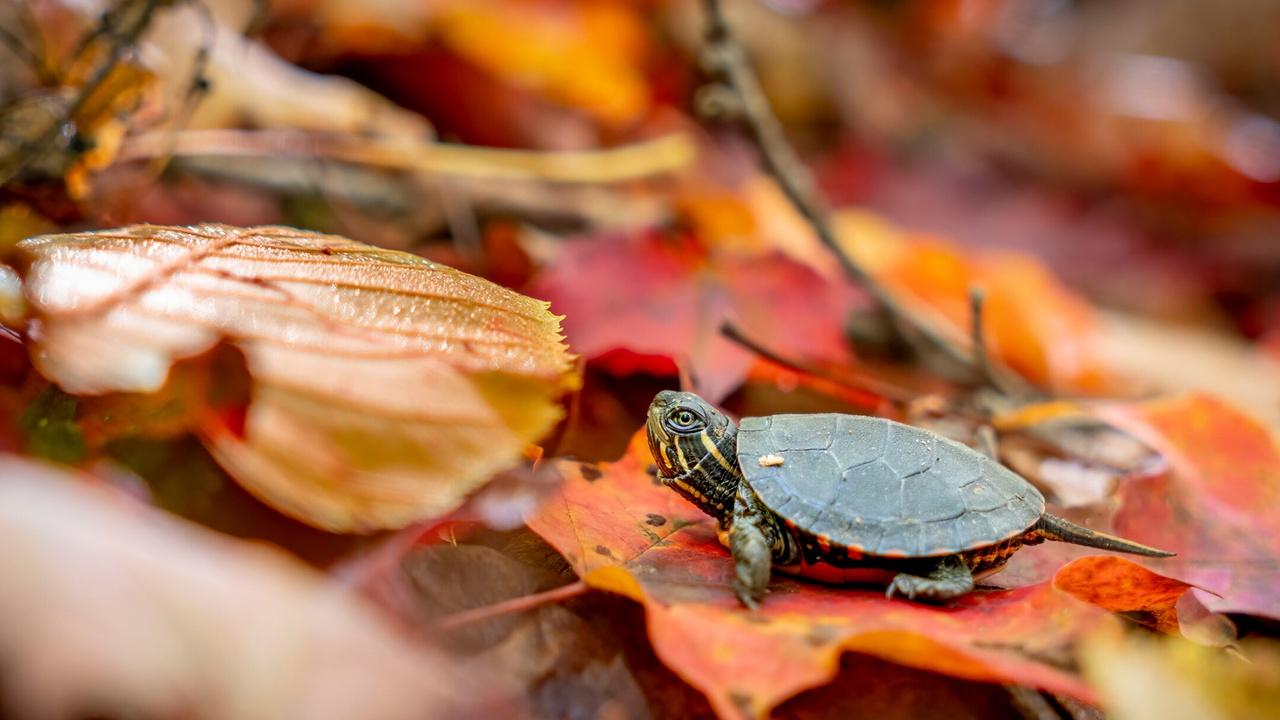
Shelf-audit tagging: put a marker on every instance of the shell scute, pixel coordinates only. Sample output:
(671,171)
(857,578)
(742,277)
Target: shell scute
(883,488)
(908,452)
(857,443)
(878,489)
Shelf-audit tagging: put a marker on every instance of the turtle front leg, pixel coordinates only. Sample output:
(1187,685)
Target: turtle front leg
(949,578)
(752,561)
(749,541)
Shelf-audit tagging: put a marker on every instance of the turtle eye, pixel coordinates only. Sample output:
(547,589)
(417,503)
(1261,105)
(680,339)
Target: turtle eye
(683,420)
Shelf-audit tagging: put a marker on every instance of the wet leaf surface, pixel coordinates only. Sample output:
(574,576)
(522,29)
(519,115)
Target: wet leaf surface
(365,363)
(625,533)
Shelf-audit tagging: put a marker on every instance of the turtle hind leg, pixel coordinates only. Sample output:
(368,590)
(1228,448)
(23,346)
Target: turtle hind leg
(949,578)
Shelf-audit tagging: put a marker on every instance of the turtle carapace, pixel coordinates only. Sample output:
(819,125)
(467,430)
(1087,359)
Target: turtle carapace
(849,498)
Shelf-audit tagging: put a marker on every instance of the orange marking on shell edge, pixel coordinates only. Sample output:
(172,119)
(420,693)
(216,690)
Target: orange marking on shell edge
(895,553)
(824,543)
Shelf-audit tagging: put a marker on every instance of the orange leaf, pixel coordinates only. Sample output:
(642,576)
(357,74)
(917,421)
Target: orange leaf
(586,56)
(1218,507)
(385,387)
(1125,587)
(625,533)
(1034,324)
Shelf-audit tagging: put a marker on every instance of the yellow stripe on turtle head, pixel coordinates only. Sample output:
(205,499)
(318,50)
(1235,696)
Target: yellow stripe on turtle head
(715,453)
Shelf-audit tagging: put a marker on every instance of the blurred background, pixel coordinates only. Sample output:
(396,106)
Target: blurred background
(1132,146)
(1107,172)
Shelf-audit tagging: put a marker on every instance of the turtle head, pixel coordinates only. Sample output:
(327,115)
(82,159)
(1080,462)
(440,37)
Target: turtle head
(694,447)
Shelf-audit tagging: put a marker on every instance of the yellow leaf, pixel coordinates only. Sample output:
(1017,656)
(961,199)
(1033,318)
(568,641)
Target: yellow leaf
(385,387)
(1144,678)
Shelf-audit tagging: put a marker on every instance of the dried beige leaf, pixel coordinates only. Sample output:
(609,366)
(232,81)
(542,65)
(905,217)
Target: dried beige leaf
(112,609)
(385,387)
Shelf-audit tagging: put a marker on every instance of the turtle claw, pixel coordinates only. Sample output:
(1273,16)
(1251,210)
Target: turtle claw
(749,600)
(901,585)
(950,579)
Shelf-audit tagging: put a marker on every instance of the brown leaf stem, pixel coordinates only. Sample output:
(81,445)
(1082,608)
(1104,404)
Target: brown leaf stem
(514,605)
(878,388)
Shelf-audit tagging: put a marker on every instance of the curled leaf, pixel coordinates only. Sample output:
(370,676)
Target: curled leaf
(1151,599)
(384,387)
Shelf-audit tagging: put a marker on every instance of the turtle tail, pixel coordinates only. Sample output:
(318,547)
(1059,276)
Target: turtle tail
(1049,527)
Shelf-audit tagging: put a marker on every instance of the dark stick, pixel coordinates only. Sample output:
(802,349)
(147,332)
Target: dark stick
(506,607)
(884,390)
(120,43)
(981,358)
(727,60)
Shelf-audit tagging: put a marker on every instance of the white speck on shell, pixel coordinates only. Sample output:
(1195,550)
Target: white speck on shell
(770,461)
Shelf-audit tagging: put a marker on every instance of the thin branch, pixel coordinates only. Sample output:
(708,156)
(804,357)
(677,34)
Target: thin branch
(520,604)
(978,337)
(20,49)
(135,23)
(725,59)
(877,388)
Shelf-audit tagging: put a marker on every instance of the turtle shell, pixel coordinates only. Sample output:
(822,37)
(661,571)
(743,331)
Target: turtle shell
(883,488)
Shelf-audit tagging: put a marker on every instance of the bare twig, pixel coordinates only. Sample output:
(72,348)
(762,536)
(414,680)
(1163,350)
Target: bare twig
(121,27)
(863,385)
(987,441)
(978,335)
(520,604)
(725,59)
(20,49)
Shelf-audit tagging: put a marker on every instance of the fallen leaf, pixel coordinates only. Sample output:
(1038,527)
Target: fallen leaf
(384,389)
(659,299)
(1033,323)
(625,533)
(249,82)
(1212,498)
(1159,602)
(587,55)
(1154,356)
(122,611)
(868,687)
(1145,678)
(1218,506)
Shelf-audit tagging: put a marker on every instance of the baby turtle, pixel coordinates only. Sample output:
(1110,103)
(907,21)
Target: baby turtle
(848,498)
